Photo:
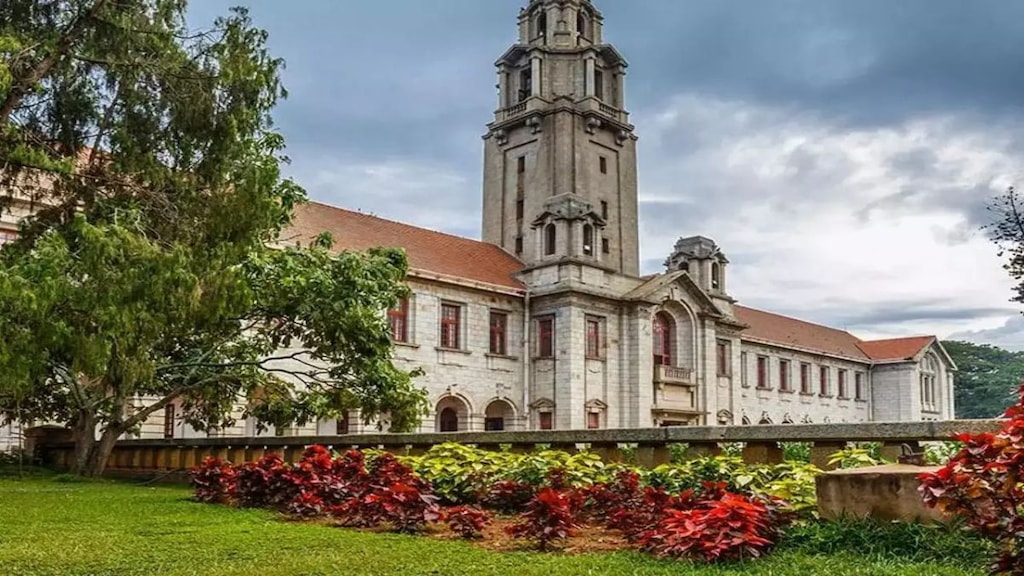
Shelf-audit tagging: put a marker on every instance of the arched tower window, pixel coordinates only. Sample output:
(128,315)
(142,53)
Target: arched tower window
(581,24)
(716,276)
(542,24)
(550,239)
(663,331)
(588,240)
(929,389)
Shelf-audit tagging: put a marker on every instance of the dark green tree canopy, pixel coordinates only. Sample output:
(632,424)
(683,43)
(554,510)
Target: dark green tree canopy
(152,274)
(986,380)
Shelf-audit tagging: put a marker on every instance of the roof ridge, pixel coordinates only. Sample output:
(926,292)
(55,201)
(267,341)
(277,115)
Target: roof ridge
(406,224)
(898,338)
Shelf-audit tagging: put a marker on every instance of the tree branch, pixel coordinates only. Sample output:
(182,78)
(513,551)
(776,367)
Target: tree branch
(67,39)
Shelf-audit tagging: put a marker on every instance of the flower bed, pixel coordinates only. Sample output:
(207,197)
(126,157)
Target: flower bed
(712,509)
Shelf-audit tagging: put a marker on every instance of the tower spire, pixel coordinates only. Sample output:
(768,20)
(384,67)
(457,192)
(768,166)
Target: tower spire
(560,155)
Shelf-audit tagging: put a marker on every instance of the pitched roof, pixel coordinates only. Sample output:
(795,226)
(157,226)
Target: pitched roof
(896,348)
(787,331)
(426,250)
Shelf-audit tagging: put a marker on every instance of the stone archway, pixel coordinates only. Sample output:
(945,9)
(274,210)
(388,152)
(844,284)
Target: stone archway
(499,415)
(451,415)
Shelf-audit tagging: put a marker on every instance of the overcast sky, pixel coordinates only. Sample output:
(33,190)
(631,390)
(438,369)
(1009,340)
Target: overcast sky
(841,153)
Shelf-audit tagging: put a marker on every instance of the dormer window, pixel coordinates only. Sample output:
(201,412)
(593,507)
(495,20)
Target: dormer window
(588,240)
(550,238)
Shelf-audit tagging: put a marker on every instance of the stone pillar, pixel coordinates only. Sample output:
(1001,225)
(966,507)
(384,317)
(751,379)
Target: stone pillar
(762,453)
(588,77)
(536,71)
(821,452)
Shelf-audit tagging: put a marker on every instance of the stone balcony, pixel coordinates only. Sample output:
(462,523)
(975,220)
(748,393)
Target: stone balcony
(674,375)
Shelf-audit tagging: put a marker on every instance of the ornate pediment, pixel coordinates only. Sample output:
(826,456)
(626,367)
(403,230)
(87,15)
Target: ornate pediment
(542,404)
(569,207)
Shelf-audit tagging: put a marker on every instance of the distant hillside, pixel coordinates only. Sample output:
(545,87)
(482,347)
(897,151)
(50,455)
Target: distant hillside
(987,378)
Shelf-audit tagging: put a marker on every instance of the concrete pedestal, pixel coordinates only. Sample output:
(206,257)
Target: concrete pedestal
(882,492)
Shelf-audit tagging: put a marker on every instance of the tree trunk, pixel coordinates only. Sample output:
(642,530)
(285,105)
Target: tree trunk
(84,436)
(101,451)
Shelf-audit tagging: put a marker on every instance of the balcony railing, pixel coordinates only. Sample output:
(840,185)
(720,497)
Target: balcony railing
(673,375)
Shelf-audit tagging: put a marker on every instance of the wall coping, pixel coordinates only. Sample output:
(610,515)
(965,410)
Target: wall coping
(892,432)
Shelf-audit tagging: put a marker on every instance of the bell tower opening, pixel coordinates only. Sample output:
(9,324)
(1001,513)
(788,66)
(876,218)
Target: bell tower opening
(562,105)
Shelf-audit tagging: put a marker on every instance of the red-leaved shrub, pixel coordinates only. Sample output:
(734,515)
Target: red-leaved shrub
(982,485)
(213,481)
(723,526)
(264,483)
(391,494)
(508,496)
(467,521)
(548,517)
(604,500)
(636,515)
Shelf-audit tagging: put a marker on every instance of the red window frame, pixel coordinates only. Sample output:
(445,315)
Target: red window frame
(545,337)
(805,378)
(398,320)
(593,338)
(784,375)
(451,316)
(843,392)
(169,421)
(762,372)
(546,421)
(342,424)
(722,349)
(858,385)
(499,333)
(662,332)
(593,420)
(823,381)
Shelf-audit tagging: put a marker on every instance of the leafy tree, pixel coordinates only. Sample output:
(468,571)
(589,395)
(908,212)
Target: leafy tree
(986,380)
(156,271)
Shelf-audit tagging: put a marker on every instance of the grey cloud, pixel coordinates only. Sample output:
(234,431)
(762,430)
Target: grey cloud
(1009,336)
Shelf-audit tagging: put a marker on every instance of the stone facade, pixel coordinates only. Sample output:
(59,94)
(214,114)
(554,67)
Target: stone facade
(547,323)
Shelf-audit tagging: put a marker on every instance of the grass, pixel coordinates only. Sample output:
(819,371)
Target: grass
(54,527)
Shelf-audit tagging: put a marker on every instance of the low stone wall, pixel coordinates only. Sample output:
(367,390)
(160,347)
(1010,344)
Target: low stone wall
(651,446)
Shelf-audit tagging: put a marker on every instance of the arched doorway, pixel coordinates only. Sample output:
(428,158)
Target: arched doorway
(452,415)
(499,416)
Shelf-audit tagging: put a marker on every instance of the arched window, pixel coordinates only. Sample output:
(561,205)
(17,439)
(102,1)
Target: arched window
(581,24)
(449,420)
(588,240)
(716,276)
(550,239)
(929,390)
(663,329)
(542,24)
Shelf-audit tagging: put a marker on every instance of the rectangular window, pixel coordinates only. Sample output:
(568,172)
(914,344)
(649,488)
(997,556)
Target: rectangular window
(519,244)
(546,337)
(342,424)
(744,376)
(545,421)
(843,392)
(604,164)
(519,209)
(525,84)
(805,378)
(593,338)
(604,209)
(398,319)
(499,333)
(169,421)
(722,358)
(599,84)
(823,381)
(593,420)
(762,372)
(606,246)
(521,165)
(451,320)
(784,383)
(858,385)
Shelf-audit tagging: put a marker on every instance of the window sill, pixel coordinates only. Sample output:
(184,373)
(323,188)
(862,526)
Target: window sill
(542,358)
(846,398)
(785,391)
(455,350)
(807,393)
(764,388)
(406,344)
(861,400)
(501,356)
(825,396)
(595,358)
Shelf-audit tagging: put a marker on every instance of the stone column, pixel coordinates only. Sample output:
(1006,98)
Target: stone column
(588,76)
(537,72)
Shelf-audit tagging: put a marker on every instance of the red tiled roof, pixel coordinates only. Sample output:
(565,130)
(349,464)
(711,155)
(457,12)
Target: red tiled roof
(896,348)
(787,331)
(426,250)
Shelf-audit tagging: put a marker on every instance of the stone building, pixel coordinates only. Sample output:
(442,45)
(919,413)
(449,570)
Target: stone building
(547,323)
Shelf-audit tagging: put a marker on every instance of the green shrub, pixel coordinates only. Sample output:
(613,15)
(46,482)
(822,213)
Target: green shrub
(796,451)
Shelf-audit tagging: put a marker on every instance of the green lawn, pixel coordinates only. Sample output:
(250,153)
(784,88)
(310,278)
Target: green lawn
(53,528)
